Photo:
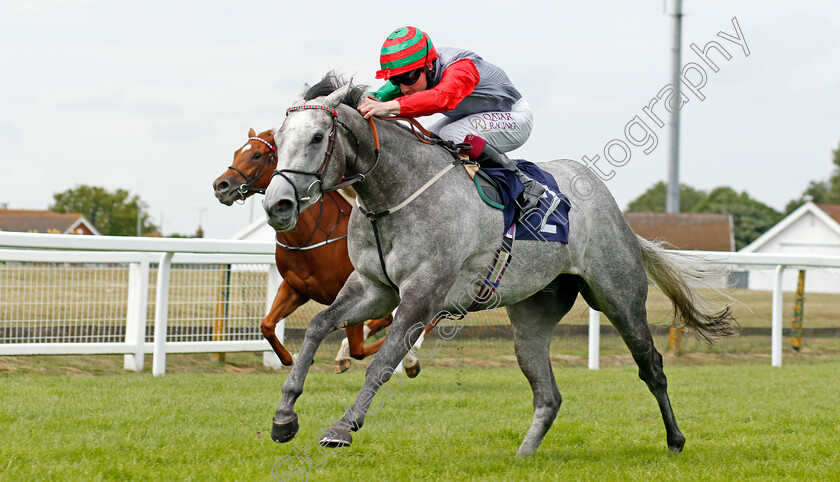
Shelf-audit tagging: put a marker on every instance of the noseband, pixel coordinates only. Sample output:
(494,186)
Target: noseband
(245,188)
(316,188)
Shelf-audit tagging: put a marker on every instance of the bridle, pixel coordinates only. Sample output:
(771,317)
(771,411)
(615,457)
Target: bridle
(316,188)
(319,174)
(245,188)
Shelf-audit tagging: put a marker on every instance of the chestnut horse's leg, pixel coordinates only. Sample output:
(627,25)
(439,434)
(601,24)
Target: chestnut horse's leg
(411,364)
(359,351)
(285,302)
(377,325)
(353,344)
(357,337)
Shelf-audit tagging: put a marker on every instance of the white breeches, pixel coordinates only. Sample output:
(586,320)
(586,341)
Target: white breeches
(505,131)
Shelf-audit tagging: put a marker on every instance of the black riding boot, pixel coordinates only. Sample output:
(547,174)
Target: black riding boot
(486,155)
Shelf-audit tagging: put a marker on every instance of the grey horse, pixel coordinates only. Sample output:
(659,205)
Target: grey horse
(430,255)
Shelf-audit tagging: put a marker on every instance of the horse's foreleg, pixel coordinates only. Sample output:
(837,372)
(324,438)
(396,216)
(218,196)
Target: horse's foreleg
(357,301)
(408,324)
(285,303)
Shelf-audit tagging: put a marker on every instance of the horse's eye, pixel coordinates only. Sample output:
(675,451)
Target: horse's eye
(317,138)
(257,155)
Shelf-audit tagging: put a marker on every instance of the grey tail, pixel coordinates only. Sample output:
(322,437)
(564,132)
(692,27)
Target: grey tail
(671,272)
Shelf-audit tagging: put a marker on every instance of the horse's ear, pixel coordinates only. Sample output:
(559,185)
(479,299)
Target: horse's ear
(336,97)
(301,97)
(251,133)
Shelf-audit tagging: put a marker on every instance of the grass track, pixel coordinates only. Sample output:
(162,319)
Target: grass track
(745,421)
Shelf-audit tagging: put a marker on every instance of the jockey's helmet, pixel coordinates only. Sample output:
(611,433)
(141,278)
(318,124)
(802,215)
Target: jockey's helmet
(406,49)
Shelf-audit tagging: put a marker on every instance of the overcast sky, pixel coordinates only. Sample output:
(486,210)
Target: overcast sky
(155,96)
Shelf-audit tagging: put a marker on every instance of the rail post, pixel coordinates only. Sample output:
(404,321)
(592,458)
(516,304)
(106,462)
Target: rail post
(161,314)
(776,338)
(675,338)
(798,313)
(594,338)
(222,311)
(135,326)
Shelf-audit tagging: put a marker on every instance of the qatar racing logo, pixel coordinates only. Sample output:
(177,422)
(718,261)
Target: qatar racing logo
(493,121)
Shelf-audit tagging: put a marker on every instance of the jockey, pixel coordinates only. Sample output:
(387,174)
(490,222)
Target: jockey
(476,97)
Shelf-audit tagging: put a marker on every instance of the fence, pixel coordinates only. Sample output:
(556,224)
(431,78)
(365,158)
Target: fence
(64,294)
(95,295)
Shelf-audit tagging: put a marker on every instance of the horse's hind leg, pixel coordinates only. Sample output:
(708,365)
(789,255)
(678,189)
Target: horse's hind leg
(624,304)
(353,345)
(533,321)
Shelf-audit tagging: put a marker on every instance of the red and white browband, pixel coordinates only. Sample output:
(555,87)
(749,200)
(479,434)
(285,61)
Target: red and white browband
(263,141)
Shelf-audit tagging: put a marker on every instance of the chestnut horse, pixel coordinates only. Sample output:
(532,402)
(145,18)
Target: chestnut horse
(312,258)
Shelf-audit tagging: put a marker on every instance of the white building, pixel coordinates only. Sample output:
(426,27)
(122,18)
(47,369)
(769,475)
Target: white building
(811,229)
(258,230)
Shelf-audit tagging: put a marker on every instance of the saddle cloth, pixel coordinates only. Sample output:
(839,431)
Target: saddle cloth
(549,222)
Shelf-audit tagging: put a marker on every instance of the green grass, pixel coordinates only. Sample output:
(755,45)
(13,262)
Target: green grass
(455,422)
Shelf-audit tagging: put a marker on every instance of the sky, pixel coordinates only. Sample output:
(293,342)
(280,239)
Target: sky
(155,96)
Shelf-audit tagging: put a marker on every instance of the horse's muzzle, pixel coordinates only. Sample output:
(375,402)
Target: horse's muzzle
(282,214)
(225,192)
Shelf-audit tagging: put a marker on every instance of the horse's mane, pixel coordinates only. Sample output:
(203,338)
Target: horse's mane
(331,82)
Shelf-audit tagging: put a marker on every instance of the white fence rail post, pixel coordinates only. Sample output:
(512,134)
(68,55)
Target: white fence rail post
(138,301)
(776,329)
(161,314)
(594,339)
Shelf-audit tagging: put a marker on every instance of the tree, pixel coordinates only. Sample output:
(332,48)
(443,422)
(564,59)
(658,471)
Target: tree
(750,218)
(653,200)
(113,213)
(817,192)
(822,192)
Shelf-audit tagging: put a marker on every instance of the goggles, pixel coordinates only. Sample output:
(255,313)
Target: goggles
(408,78)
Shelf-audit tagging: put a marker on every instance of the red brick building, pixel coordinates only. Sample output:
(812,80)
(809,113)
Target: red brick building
(698,231)
(26,221)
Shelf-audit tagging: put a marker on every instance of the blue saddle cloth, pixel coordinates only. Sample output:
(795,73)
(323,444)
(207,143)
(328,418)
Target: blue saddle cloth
(550,222)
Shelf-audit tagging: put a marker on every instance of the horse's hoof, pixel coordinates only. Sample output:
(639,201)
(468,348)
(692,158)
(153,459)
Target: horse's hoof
(413,371)
(342,366)
(335,437)
(676,446)
(283,432)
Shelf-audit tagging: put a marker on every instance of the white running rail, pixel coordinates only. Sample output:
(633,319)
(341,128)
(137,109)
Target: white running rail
(139,254)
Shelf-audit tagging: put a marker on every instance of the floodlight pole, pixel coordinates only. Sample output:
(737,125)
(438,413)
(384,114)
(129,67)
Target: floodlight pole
(672,200)
(672,196)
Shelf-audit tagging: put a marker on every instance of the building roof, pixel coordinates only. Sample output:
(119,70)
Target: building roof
(829,214)
(27,221)
(698,231)
(832,210)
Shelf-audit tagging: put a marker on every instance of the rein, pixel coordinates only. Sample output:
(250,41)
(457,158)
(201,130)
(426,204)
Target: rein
(246,188)
(375,216)
(318,183)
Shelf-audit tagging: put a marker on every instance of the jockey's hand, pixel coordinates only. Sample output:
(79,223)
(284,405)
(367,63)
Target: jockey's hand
(369,107)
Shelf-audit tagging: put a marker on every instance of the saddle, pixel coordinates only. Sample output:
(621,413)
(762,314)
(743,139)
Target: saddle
(499,189)
(487,187)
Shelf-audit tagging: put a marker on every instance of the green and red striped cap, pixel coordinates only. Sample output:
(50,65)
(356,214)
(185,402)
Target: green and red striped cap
(406,49)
